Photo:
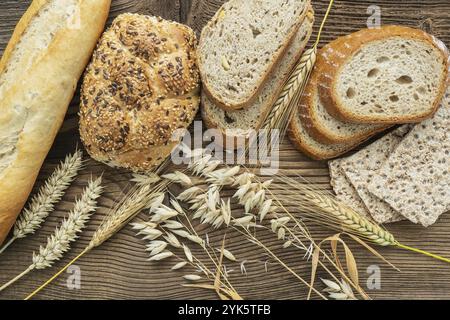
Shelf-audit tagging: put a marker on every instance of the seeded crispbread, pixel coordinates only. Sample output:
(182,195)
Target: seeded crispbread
(345,192)
(361,168)
(415,180)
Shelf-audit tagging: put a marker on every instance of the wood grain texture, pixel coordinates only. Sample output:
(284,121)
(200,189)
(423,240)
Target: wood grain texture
(118,269)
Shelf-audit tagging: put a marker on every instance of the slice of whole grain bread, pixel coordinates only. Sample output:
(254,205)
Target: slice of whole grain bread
(238,124)
(415,179)
(361,168)
(389,75)
(241,45)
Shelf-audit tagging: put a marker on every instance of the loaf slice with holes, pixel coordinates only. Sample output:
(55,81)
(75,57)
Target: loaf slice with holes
(389,75)
(322,126)
(242,44)
(240,123)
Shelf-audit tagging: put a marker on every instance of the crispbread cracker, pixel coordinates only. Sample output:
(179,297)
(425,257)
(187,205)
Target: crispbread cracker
(344,190)
(415,180)
(361,168)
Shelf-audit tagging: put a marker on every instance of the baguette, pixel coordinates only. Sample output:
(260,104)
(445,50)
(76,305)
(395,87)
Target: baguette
(39,71)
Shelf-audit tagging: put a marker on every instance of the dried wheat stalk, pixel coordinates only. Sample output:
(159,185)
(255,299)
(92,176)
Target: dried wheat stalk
(282,110)
(59,242)
(42,204)
(324,208)
(137,200)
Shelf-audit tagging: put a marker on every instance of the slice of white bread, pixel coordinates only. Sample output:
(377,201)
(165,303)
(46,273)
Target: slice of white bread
(343,189)
(362,167)
(415,179)
(241,45)
(235,124)
(389,75)
(319,123)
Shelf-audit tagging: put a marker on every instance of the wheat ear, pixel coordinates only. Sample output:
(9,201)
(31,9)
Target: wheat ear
(59,242)
(42,204)
(134,202)
(282,110)
(323,207)
(285,105)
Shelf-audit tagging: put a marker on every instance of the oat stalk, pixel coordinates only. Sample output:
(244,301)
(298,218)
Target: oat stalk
(59,242)
(339,290)
(42,204)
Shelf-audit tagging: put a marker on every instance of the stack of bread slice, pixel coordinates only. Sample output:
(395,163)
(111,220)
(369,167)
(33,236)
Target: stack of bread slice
(366,82)
(246,53)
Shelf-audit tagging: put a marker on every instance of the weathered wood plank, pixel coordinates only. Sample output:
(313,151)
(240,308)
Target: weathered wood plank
(119,269)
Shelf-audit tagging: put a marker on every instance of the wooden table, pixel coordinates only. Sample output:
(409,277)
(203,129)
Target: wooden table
(119,270)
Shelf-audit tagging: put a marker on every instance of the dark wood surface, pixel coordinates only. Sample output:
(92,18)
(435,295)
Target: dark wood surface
(118,269)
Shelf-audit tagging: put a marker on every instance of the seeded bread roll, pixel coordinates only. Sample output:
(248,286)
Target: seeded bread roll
(141,86)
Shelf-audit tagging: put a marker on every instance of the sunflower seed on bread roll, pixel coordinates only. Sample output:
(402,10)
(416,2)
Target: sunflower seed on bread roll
(238,124)
(141,86)
(389,75)
(39,71)
(242,44)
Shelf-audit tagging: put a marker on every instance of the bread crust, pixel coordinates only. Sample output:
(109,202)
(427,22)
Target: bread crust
(351,44)
(297,140)
(211,124)
(141,87)
(325,56)
(275,60)
(54,77)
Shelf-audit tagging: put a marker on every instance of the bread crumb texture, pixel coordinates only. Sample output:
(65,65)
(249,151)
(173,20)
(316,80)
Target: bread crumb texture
(140,87)
(242,43)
